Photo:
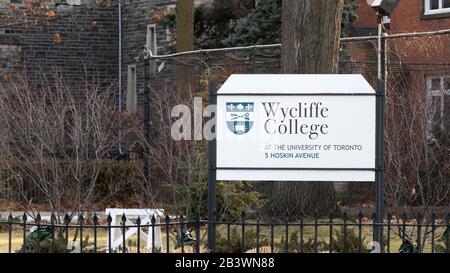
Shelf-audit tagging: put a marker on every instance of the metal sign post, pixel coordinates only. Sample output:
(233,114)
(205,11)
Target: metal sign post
(212,178)
(146,166)
(380,102)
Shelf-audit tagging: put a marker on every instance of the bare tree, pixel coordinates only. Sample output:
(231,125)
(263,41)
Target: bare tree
(417,141)
(177,165)
(56,140)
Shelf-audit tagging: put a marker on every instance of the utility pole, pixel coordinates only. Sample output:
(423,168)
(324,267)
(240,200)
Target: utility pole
(146,167)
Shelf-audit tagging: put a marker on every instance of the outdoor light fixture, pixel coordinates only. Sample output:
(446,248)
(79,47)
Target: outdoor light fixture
(383,7)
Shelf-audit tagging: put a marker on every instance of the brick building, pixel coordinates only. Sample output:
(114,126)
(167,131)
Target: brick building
(409,16)
(422,63)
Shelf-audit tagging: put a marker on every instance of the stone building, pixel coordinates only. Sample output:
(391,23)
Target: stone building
(94,40)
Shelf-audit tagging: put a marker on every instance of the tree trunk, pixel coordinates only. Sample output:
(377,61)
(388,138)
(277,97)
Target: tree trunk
(185,25)
(310,34)
(185,41)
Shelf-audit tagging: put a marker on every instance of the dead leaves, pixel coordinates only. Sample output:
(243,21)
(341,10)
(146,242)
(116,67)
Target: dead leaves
(157,16)
(50,13)
(13,7)
(57,38)
(7,77)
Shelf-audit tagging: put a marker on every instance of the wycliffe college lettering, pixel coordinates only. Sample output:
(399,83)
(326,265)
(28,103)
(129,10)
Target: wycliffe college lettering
(289,120)
(297,121)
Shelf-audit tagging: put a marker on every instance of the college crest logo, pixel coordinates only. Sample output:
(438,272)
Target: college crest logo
(240,117)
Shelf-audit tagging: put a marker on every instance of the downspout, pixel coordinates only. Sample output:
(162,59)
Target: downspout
(120,76)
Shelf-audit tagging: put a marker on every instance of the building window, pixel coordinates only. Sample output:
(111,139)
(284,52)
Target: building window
(131,90)
(437,6)
(151,39)
(438,107)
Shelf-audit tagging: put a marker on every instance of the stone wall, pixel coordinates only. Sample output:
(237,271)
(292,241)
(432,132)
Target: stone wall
(9,56)
(82,42)
(136,18)
(88,47)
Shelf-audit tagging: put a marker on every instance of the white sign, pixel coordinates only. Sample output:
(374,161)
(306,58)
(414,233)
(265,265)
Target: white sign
(296,128)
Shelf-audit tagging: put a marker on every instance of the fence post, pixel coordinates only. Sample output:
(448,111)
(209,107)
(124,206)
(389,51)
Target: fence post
(197,231)
(316,231)
(212,179)
(138,243)
(330,220)
(243,230)
(95,220)
(360,219)
(379,157)
(374,226)
(66,223)
(302,219)
(124,243)
(447,238)
(345,219)
(272,229)
(258,218)
(433,231)
(52,223)
(38,225)
(10,222)
(167,226)
(24,232)
(182,232)
(109,220)
(228,231)
(81,221)
(419,232)
(146,166)
(153,221)
(389,223)
(287,217)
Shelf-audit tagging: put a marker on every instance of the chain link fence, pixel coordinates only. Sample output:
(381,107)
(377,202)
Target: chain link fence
(417,111)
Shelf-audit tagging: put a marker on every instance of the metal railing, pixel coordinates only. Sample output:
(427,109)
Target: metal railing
(247,234)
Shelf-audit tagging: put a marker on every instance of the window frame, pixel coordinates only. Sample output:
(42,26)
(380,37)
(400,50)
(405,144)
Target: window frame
(441,93)
(151,42)
(131,98)
(440,10)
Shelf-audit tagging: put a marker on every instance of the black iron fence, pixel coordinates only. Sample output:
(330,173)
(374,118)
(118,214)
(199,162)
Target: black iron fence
(253,233)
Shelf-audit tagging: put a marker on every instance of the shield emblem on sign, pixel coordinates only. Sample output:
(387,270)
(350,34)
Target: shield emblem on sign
(240,117)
